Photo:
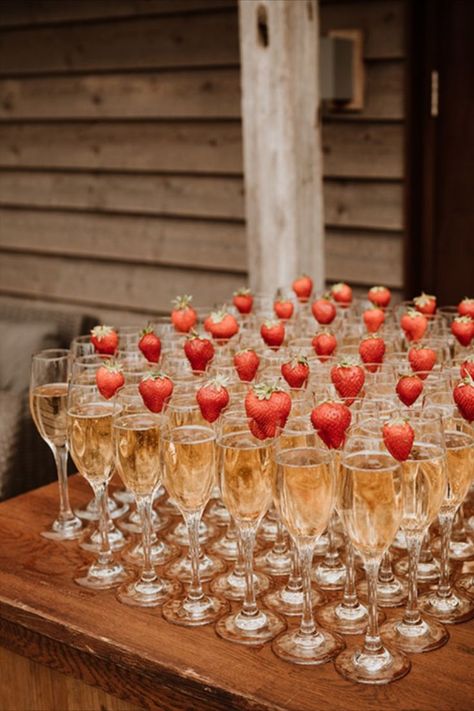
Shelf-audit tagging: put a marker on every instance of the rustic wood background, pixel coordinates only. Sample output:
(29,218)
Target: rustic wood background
(121,157)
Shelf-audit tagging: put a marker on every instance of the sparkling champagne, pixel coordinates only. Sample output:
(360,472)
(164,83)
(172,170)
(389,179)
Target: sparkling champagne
(423,486)
(136,443)
(48,408)
(370,501)
(460,468)
(90,440)
(246,479)
(305,489)
(189,460)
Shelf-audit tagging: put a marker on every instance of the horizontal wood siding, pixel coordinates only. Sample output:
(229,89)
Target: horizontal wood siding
(121,144)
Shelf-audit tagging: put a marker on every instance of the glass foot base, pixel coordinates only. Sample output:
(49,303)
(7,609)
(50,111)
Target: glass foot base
(382,668)
(161,553)
(133,523)
(194,614)
(392,594)
(273,563)
(90,513)
(268,530)
(427,572)
(415,639)
(252,631)
(308,649)
(217,513)
(290,602)
(209,567)
(69,530)
(139,594)
(345,620)
(91,540)
(179,534)
(330,578)
(458,550)
(225,548)
(123,496)
(466,584)
(103,577)
(450,610)
(232,586)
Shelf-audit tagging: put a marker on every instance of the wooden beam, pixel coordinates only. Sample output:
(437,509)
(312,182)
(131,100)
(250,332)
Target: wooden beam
(281,133)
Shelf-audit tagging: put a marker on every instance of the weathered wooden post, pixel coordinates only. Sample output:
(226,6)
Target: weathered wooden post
(279,44)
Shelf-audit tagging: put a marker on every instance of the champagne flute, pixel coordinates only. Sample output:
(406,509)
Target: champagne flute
(448,604)
(423,487)
(246,485)
(305,489)
(136,443)
(371,509)
(48,396)
(189,472)
(89,428)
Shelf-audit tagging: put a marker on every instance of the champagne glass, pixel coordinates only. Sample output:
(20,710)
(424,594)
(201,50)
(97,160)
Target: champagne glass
(48,397)
(305,489)
(189,472)
(136,444)
(448,604)
(246,485)
(89,428)
(423,487)
(371,509)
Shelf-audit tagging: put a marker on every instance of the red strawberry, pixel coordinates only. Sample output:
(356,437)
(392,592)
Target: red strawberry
(323,310)
(268,408)
(331,420)
(379,296)
(296,372)
(183,316)
(212,398)
(246,364)
(409,388)
(398,436)
(348,379)
(283,309)
(104,339)
(421,359)
(150,345)
(303,286)
(463,395)
(414,325)
(425,304)
(466,307)
(467,367)
(155,389)
(109,378)
(273,333)
(243,301)
(199,352)
(324,344)
(372,350)
(462,328)
(373,319)
(222,325)
(342,293)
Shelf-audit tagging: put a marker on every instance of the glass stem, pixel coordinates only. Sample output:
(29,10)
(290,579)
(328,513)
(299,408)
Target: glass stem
(372,642)
(307,626)
(295,582)
(105,551)
(239,566)
(332,556)
(144,506)
(195,592)
(426,555)
(349,598)
(386,572)
(412,615)
(446,525)
(249,606)
(279,547)
(65,511)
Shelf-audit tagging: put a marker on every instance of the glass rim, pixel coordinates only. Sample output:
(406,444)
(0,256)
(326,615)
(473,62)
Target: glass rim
(256,443)
(47,354)
(167,432)
(328,454)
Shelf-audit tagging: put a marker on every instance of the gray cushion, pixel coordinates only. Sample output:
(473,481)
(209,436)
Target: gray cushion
(18,342)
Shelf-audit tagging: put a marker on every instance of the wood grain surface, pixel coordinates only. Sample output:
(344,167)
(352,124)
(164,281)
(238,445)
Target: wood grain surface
(136,656)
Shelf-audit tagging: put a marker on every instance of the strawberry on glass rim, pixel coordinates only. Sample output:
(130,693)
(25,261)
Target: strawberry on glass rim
(213,397)
(243,300)
(372,351)
(331,420)
(104,339)
(323,310)
(221,325)
(296,372)
(150,345)
(425,304)
(303,286)
(463,395)
(183,316)
(467,367)
(462,328)
(380,296)
(324,344)
(273,334)
(342,293)
(414,325)
(422,358)
(156,389)
(348,378)
(246,363)
(283,308)
(373,319)
(199,352)
(398,436)
(267,406)
(409,389)
(109,378)
(466,307)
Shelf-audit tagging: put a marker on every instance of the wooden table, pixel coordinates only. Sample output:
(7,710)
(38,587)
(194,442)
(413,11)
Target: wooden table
(136,660)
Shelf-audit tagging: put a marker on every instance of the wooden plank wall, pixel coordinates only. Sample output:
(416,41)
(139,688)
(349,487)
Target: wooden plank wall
(121,152)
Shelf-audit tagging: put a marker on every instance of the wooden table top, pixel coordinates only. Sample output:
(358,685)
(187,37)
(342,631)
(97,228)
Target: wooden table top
(137,656)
